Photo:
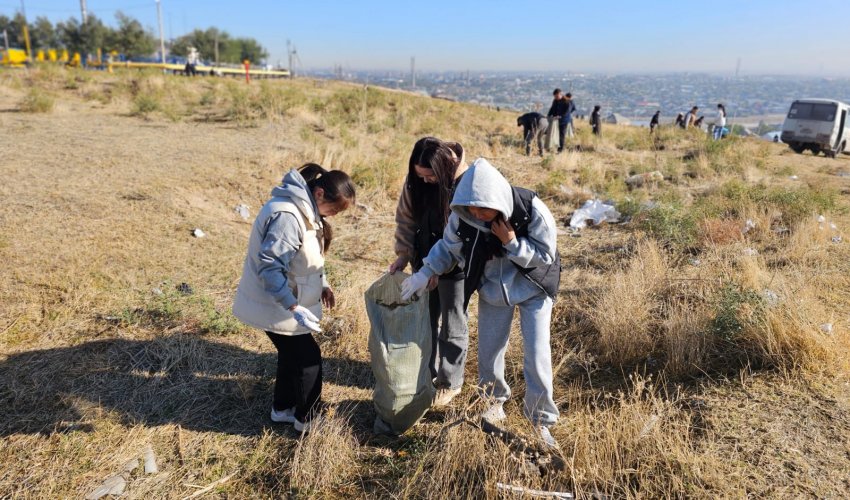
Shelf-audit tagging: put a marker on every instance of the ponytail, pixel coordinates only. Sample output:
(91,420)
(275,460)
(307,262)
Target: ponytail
(337,186)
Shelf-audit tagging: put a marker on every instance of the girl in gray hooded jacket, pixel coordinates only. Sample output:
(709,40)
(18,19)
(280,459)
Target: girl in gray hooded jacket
(504,238)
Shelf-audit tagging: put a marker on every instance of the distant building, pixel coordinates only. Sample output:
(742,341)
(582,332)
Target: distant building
(617,119)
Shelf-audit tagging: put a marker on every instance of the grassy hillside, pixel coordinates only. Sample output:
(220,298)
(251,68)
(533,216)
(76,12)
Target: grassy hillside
(690,344)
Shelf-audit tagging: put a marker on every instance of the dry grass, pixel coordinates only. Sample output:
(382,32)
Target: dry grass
(101,355)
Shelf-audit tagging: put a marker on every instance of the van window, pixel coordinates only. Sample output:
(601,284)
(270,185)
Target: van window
(812,111)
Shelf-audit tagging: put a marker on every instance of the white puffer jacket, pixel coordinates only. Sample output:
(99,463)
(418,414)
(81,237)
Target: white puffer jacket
(271,282)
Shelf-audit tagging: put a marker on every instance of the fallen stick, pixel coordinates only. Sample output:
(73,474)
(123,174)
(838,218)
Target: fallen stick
(209,487)
(533,493)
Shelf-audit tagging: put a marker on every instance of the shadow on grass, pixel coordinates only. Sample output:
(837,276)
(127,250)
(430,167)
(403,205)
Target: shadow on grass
(189,380)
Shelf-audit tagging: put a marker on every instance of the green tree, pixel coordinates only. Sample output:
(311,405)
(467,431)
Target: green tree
(248,48)
(230,50)
(130,38)
(204,41)
(83,38)
(42,34)
(14,30)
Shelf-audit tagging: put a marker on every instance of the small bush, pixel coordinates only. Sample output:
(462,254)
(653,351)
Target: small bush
(737,309)
(144,104)
(672,224)
(37,101)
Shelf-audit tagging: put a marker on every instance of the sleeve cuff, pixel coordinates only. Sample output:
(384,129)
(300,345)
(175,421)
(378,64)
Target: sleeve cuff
(289,301)
(427,271)
(512,246)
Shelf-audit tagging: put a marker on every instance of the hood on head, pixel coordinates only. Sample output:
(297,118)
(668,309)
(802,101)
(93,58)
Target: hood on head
(482,186)
(294,187)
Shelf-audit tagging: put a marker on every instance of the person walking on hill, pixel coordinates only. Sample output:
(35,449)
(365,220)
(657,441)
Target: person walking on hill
(680,120)
(433,171)
(283,283)
(596,120)
(690,118)
(719,122)
(504,239)
(653,123)
(534,126)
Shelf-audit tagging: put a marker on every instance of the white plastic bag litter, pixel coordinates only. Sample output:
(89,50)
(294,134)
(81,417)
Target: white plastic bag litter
(595,211)
(243,211)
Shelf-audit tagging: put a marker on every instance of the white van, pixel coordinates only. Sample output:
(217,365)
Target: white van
(817,125)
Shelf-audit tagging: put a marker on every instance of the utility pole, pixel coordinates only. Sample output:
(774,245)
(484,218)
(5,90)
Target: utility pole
(216,47)
(83,13)
(161,39)
(6,39)
(289,55)
(413,72)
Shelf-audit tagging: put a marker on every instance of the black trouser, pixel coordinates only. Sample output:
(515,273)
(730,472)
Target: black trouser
(299,374)
(562,132)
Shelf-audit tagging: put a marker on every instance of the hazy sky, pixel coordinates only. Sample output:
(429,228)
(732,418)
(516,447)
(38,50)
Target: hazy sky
(779,36)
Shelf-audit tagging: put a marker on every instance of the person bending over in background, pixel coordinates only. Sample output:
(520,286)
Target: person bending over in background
(433,171)
(283,283)
(504,238)
(534,126)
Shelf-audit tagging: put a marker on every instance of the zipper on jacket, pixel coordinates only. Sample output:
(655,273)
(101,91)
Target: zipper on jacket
(472,253)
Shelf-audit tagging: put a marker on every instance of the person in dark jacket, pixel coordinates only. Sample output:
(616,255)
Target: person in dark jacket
(653,123)
(534,125)
(567,118)
(596,120)
(556,113)
(680,120)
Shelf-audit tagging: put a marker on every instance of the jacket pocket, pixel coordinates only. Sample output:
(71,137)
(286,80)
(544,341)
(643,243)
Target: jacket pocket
(308,289)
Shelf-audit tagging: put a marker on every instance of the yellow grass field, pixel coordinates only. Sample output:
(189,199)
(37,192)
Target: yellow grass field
(692,355)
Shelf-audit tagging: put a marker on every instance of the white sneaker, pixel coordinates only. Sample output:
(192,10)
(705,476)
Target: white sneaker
(547,437)
(303,427)
(286,416)
(445,396)
(495,413)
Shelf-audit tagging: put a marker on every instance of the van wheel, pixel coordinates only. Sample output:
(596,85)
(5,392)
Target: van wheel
(797,148)
(815,150)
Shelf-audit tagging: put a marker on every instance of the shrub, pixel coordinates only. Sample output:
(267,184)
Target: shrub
(37,101)
(144,104)
(672,224)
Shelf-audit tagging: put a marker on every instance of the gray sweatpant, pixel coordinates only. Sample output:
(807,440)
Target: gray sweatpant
(449,333)
(494,327)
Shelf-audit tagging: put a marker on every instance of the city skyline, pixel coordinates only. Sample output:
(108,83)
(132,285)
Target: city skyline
(778,37)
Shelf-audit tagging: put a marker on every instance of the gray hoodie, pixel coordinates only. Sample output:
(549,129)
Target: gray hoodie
(483,186)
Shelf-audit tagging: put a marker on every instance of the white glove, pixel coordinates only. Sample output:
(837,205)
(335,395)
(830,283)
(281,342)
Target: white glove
(413,285)
(306,318)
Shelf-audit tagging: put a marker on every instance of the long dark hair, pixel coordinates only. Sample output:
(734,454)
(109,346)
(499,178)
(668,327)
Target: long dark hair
(722,108)
(443,158)
(338,188)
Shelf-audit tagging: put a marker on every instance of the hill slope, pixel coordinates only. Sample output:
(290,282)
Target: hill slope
(690,354)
